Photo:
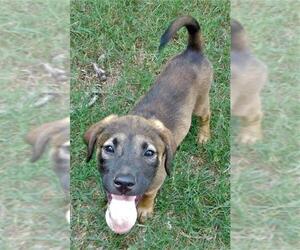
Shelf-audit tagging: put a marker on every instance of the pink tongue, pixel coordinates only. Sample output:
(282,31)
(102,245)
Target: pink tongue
(121,213)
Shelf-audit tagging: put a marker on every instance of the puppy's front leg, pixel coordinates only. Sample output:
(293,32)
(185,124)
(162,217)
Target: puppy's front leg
(250,129)
(146,206)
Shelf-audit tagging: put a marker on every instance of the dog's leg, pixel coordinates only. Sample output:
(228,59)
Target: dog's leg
(146,206)
(250,129)
(204,132)
(202,110)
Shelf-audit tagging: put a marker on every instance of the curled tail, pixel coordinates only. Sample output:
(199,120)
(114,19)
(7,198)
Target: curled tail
(239,39)
(193,27)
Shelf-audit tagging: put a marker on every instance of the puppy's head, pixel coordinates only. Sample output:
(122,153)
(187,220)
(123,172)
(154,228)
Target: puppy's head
(57,134)
(131,151)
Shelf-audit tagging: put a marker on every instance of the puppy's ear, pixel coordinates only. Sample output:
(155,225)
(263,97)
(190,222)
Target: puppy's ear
(169,141)
(42,135)
(90,136)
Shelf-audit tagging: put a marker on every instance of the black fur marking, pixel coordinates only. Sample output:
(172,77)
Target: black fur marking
(236,26)
(115,142)
(191,25)
(102,165)
(144,145)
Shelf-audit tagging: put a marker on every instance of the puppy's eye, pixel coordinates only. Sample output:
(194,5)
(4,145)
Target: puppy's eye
(149,153)
(109,149)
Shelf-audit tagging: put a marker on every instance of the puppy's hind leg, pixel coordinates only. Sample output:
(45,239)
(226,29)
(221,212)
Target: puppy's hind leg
(202,110)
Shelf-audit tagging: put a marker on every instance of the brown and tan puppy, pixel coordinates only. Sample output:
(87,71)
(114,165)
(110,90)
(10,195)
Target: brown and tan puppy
(248,76)
(134,152)
(57,135)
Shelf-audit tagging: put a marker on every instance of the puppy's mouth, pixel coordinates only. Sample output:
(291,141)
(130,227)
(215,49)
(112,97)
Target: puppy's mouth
(121,213)
(136,198)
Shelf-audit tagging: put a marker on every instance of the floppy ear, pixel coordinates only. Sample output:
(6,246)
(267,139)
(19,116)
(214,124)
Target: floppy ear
(169,141)
(90,136)
(42,135)
(170,149)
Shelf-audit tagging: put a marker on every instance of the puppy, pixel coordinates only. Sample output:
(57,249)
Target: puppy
(135,151)
(248,76)
(57,134)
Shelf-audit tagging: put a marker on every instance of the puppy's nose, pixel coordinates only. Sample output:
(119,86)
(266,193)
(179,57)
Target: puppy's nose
(124,183)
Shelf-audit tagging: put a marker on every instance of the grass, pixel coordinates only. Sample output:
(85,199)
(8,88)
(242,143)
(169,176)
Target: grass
(32,202)
(265,178)
(192,209)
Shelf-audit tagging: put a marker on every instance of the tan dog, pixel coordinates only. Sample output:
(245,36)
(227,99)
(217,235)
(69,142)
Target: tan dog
(248,76)
(57,134)
(135,151)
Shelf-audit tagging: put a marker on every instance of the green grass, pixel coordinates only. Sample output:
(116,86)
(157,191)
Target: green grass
(265,178)
(32,202)
(192,210)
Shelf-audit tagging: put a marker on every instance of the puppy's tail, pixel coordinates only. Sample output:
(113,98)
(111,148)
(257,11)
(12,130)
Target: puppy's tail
(193,27)
(239,39)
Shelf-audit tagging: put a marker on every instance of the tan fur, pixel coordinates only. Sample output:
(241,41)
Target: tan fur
(146,205)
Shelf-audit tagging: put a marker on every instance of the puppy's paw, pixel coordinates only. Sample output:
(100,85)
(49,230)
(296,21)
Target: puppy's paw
(248,137)
(203,138)
(144,213)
